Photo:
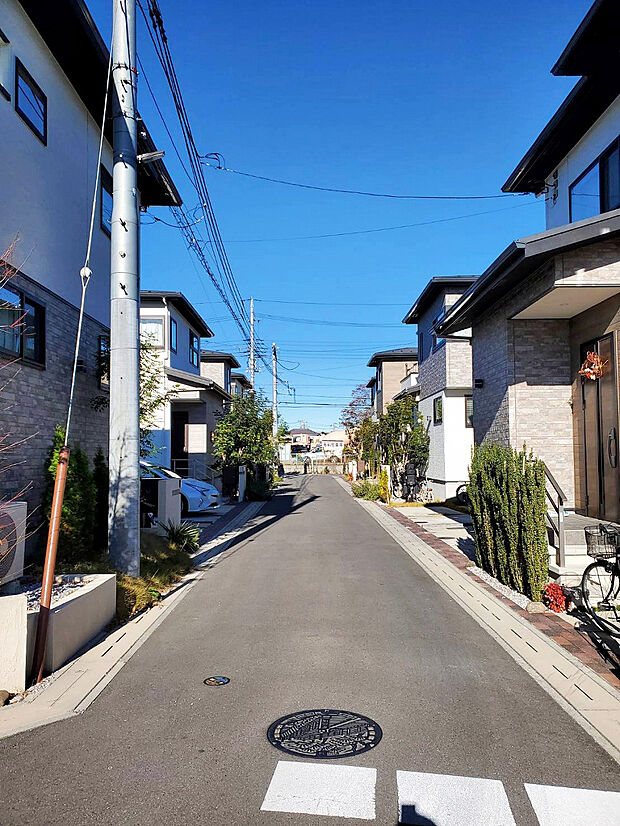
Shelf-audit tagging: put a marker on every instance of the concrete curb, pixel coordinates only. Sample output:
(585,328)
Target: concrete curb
(74,687)
(592,702)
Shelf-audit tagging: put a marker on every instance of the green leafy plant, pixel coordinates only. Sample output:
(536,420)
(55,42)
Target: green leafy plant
(75,539)
(384,486)
(101,478)
(366,489)
(257,490)
(243,435)
(508,507)
(183,536)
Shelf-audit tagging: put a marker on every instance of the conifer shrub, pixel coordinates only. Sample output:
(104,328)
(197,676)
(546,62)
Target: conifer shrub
(384,486)
(101,478)
(75,540)
(508,508)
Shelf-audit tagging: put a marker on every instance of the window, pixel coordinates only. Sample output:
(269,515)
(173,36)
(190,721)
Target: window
(105,200)
(22,326)
(30,102)
(469,411)
(152,329)
(420,346)
(194,349)
(103,362)
(173,335)
(5,66)
(437,410)
(597,190)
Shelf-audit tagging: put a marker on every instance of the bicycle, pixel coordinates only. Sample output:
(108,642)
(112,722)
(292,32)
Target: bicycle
(600,584)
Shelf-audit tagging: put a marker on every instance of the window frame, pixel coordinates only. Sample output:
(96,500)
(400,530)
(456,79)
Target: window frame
(6,64)
(162,320)
(438,410)
(469,420)
(597,162)
(174,335)
(194,352)
(24,74)
(105,184)
(41,332)
(103,356)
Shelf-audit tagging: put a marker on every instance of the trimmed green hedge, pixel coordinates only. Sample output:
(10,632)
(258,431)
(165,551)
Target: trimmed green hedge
(508,507)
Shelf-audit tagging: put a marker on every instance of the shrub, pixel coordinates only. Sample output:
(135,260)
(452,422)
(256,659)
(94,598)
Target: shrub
(507,494)
(257,490)
(183,536)
(75,540)
(366,489)
(101,478)
(384,486)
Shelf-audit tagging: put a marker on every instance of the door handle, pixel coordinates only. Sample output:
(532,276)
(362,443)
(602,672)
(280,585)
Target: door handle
(612,447)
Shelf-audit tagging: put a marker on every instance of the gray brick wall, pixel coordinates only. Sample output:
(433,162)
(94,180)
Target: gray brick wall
(458,363)
(34,400)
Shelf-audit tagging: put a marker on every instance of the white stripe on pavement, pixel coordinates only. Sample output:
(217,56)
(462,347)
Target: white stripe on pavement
(562,806)
(319,789)
(447,800)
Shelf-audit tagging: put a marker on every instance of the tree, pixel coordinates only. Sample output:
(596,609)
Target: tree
(356,411)
(243,435)
(403,439)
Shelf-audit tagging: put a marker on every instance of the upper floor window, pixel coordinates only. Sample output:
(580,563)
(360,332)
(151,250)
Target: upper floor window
(420,346)
(105,201)
(5,66)
(597,190)
(437,410)
(153,330)
(30,102)
(194,349)
(22,326)
(173,335)
(469,411)
(103,362)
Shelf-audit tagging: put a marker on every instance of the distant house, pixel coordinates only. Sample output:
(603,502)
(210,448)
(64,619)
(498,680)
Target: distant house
(391,367)
(218,366)
(444,385)
(549,299)
(240,385)
(183,432)
(53,66)
(332,443)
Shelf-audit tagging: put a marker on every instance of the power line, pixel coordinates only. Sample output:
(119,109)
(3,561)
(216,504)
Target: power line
(327,323)
(219,166)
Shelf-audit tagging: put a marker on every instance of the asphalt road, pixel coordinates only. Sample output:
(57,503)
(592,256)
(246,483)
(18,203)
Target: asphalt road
(314,607)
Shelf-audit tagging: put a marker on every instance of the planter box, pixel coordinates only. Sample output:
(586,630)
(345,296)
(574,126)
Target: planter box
(74,620)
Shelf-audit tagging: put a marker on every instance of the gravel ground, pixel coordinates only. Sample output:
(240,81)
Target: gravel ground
(61,589)
(519,599)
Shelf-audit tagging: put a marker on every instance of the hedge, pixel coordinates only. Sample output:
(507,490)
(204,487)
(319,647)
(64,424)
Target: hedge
(508,506)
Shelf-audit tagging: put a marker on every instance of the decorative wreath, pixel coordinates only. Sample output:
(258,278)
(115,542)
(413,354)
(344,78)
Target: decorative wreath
(592,368)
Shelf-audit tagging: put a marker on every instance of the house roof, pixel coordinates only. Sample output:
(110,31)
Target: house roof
(593,53)
(72,37)
(242,379)
(372,382)
(302,431)
(181,303)
(399,354)
(520,259)
(197,382)
(216,355)
(436,285)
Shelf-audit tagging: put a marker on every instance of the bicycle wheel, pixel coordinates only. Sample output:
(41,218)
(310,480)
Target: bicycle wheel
(600,589)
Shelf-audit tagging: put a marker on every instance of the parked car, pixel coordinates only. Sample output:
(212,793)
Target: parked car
(196,496)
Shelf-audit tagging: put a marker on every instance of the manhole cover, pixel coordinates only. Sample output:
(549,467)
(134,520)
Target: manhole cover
(215,681)
(324,733)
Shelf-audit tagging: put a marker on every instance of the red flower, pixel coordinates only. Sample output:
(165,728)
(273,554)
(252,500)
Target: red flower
(554,597)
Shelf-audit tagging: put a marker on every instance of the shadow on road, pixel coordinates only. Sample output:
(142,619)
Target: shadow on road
(286,501)
(409,815)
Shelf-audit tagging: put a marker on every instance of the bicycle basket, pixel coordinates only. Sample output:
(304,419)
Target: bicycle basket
(602,541)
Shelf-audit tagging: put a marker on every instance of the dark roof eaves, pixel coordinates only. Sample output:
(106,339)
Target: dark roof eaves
(432,287)
(184,306)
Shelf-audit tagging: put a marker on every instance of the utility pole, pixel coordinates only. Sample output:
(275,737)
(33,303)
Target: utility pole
(251,363)
(124,501)
(274,361)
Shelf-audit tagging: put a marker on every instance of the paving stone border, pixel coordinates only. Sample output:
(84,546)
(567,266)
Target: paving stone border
(590,652)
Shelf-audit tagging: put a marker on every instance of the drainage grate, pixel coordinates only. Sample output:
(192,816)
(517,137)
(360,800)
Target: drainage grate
(215,681)
(324,733)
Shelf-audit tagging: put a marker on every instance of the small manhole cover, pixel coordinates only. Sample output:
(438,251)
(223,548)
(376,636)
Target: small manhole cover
(215,681)
(324,733)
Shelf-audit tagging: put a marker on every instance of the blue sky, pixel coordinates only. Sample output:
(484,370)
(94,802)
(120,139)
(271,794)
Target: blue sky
(438,98)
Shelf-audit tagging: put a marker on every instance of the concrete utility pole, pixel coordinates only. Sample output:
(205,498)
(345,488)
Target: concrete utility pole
(124,501)
(274,387)
(251,361)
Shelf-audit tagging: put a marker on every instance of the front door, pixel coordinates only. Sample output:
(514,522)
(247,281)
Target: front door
(178,442)
(600,409)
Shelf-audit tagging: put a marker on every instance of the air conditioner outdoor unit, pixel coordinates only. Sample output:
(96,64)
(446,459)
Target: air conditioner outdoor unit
(12,539)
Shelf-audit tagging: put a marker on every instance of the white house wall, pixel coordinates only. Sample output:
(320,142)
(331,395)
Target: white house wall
(47,190)
(593,143)
(450,444)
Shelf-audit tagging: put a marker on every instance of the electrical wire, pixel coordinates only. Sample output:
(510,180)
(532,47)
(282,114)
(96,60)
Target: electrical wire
(223,168)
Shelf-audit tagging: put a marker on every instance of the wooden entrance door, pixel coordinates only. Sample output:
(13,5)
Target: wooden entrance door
(601,437)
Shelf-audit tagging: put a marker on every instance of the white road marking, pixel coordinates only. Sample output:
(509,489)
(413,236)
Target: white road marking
(562,806)
(319,789)
(448,800)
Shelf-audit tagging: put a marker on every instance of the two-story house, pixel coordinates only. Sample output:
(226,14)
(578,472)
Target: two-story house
(444,385)
(391,367)
(240,385)
(218,366)
(53,69)
(184,426)
(550,299)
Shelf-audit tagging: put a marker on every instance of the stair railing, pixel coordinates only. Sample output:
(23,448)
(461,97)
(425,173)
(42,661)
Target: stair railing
(557,500)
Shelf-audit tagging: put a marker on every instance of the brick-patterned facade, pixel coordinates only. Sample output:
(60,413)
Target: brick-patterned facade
(33,400)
